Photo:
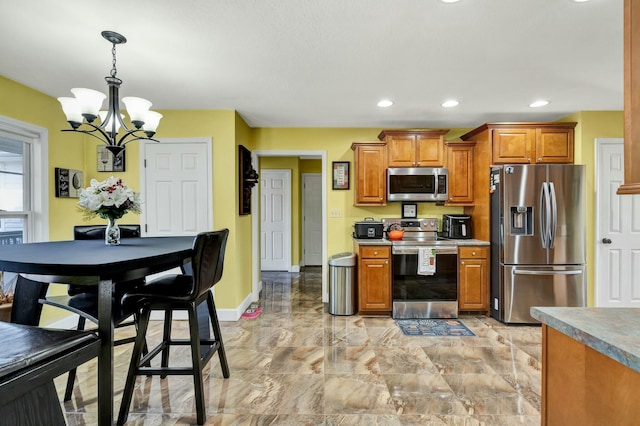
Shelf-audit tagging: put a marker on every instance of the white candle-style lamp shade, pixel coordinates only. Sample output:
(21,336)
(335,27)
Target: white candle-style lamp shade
(151,122)
(137,109)
(71,109)
(109,126)
(90,102)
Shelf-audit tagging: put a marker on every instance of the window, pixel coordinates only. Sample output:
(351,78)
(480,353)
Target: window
(24,214)
(15,191)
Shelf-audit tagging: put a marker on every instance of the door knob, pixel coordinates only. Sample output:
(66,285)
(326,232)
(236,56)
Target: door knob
(606,241)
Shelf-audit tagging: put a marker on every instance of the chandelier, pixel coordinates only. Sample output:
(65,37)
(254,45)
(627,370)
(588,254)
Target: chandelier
(83,110)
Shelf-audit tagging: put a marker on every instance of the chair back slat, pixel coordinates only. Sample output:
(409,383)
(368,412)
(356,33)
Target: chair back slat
(208,259)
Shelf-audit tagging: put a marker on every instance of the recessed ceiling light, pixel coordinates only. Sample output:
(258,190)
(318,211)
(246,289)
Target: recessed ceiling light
(580,1)
(450,1)
(538,104)
(385,103)
(450,103)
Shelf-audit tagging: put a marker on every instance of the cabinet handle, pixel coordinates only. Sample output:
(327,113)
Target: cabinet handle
(528,160)
(473,253)
(375,253)
(462,263)
(540,160)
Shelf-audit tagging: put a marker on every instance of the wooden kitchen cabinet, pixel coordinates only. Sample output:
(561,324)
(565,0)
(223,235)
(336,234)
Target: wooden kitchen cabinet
(414,148)
(460,162)
(374,280)
(516,143)
(370,173)
(532,143)
(473,278)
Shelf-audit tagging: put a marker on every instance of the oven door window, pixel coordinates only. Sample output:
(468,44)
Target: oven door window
(441,286)
(412,184)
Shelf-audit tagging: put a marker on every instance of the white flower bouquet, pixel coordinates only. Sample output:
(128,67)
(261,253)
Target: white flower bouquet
(109,199)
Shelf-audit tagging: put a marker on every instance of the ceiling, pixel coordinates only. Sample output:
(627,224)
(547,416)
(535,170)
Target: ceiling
(326,63)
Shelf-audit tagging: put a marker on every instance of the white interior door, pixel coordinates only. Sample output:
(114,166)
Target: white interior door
(275,214)
(177,187)
(312,219)
(617,231)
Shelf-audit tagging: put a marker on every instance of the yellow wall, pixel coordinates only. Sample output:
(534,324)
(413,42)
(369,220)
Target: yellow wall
(227,130)
(592,125)
(337,144)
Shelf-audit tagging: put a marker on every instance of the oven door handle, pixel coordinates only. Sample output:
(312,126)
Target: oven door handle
(414,250)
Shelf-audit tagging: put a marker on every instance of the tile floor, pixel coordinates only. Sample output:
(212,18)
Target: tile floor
(298,365)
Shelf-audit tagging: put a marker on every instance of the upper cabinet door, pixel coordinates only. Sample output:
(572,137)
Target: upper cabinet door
(370,173)
(429,150)
(513,146)
(401,150)
(554,145)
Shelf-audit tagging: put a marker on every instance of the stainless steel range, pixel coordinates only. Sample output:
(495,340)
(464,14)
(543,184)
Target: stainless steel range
(425,270)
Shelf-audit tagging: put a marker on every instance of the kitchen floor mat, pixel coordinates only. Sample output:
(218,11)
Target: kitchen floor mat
(434,327)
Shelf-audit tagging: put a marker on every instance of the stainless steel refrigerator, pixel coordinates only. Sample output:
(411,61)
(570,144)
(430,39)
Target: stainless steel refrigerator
(538,239)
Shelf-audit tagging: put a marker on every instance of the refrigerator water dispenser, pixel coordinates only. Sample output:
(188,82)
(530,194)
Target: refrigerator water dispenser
(521,220)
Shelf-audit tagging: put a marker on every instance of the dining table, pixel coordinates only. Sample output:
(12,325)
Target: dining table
(93,263)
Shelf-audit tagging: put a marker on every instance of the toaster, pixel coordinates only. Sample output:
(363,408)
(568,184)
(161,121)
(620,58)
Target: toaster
(456,226)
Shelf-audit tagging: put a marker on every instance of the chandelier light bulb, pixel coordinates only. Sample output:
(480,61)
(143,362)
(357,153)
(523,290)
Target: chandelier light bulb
(151,121)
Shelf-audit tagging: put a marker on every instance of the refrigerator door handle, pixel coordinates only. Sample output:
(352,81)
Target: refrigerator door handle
(525,272)
(554,215)
(545,213)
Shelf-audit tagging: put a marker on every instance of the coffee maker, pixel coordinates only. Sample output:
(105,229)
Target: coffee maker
(456,226)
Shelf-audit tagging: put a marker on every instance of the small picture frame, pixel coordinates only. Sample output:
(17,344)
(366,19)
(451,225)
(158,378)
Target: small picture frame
(107,162)
(69,183)
(409,210)
(340,175)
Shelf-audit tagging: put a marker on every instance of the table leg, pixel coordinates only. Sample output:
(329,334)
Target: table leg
(105,357)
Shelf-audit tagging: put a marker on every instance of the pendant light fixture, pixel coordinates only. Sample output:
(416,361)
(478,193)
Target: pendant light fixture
(83,110)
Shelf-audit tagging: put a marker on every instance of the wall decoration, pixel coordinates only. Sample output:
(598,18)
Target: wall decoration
(247,178)
(107,162)
(69,183)
(409,210)
(340,175)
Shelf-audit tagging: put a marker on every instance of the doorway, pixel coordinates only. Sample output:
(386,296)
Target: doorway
(322,155)
(617,240)
(311,219)
(275,223)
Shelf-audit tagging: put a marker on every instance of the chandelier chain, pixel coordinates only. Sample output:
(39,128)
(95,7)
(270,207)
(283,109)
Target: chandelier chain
(113,63)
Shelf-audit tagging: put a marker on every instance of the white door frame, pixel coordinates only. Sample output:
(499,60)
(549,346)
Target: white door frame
(255,218)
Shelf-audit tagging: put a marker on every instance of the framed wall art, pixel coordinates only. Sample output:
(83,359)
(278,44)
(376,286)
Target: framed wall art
(69,182)
(340,175)
(107,162)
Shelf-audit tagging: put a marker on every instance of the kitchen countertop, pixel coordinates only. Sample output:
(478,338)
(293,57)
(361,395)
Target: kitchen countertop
(385,242)
(614,332)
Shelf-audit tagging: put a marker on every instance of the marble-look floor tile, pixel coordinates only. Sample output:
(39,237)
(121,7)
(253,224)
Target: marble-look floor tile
(295,364)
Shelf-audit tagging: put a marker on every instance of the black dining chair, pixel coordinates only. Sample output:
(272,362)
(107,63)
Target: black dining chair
(27,309)
(83,300)
(180,292)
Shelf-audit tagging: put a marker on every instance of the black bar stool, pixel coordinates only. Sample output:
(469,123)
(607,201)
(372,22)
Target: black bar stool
(180,292)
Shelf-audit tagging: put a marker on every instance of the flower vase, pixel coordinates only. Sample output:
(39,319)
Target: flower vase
(112,233)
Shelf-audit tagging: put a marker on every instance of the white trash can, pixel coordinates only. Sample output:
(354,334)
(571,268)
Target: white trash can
(342,289)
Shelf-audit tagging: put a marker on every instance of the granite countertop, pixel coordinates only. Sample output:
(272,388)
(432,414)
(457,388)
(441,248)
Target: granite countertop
(614,332)
(385,242)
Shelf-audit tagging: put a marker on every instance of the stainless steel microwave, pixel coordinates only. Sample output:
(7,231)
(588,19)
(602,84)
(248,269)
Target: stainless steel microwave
(417,184)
